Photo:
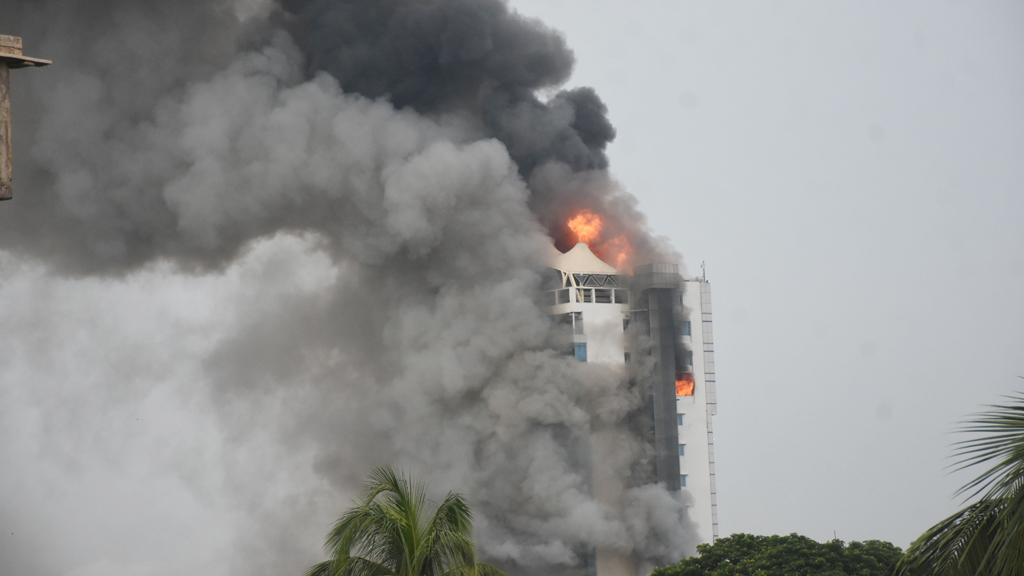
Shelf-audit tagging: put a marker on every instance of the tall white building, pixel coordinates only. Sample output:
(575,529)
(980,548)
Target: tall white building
(655,312)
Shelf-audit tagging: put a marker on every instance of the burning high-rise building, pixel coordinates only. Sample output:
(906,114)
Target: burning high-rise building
(643,321)
(383,177)
(682,397)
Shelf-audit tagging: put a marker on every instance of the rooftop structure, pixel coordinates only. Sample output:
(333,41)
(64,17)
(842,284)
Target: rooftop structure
(10,57)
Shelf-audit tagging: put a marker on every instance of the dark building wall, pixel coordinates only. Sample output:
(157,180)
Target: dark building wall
(663,386)
(657,307)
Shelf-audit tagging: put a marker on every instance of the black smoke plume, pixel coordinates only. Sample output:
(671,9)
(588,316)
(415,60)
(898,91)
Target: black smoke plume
(369,187)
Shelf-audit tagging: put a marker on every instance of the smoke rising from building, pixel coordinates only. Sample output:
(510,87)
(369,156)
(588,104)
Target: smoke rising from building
(381,179)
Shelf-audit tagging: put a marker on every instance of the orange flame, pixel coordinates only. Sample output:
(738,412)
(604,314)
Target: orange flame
(617,251)
(684,387)
(586,225)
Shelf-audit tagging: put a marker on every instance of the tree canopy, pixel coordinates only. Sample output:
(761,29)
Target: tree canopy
(395,531)
(793,555)
(987,537)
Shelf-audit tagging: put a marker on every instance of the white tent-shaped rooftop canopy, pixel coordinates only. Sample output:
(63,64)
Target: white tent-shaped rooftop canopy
(579,260)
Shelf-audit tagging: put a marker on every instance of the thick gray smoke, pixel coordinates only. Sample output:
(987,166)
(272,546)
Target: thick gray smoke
(369,187)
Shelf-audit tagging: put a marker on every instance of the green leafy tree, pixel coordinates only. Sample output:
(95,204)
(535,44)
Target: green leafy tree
(793,555)
(395,531)
(987,537)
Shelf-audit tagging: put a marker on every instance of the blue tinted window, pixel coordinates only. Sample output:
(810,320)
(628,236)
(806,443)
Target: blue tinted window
(686,329)
(679,419)
(682,449)
(581,351)
(682,480)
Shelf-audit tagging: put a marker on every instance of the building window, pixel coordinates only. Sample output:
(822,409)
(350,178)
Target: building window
(549,299)
(686,328)
(622,296)
(682,449)
(551,279)
(688,358)
(563,296)
(679,419)
(581,351)
(682,480)
(684,384)
(603,295)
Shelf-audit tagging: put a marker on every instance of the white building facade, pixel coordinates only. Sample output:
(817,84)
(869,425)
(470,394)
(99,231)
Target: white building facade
(694,412)
(654,312)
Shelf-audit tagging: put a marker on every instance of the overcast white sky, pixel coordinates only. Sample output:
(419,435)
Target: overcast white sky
(852,173)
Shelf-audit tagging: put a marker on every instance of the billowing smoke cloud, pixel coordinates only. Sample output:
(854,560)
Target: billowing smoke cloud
(371,185)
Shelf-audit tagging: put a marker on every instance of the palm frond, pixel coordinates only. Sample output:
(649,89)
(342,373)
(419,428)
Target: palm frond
(390,532)
(955,546)
(451,529)
(488,570)
(1000,441)
(322,569)
(356,566)
(986,537)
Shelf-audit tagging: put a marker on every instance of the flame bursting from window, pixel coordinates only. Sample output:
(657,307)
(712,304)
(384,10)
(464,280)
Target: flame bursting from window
(588,226)
(684,387)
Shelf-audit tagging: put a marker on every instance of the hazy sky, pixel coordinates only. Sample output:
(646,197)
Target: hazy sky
(852,174)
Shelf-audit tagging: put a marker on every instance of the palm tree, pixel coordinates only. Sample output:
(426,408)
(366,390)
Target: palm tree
(395,531)
(986,538)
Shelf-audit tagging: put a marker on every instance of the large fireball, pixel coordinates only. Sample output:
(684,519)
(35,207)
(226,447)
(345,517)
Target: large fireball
(586,225)
(588,228)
